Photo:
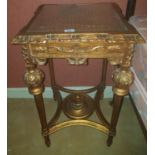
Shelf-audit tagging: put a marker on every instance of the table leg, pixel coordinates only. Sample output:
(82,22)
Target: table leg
(122,78)
(34,78)
(52,76)
(42,116)
(117,104)
(103,76)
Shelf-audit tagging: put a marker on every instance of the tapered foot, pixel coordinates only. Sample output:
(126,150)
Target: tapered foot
(109,140)
(47,141)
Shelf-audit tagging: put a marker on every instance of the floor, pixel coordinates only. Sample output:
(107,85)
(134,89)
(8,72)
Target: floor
(24,136)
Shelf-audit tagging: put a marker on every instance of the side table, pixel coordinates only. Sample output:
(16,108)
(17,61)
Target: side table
(77,32)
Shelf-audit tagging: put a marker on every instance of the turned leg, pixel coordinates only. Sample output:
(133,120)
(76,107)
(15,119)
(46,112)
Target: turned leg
(100,90)
(103,76)
(42,116)
(34,78)
(117,104)
(52,76)
(122,78)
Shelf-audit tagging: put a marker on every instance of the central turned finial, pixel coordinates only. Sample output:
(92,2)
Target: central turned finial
(78,106)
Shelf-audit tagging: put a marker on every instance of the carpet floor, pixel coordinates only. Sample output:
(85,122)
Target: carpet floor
(24,136)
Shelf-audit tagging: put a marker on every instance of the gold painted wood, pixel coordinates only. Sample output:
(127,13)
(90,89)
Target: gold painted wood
(80,122)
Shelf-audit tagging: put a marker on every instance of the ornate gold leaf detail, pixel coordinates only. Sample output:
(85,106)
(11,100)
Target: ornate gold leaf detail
(115,60)
(34,77)
(128,56)
(41,61)
(96,48)
(114,47)
(29,60)
(123,77)
(82,37)
(77,61)
(74,48)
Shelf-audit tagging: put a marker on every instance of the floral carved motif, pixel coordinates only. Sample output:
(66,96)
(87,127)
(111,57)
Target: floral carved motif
(77,61)
(30,61)
(34,77)
(122,80)
(123,77)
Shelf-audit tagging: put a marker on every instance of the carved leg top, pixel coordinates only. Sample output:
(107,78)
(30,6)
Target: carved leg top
(33,77)
(122,76)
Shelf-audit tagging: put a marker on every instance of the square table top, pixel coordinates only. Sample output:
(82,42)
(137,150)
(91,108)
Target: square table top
(66,19)
(61,18)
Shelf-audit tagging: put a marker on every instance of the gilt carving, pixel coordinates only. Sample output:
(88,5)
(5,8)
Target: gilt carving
(77,61)
(34,77)
(123,77)
(115,60)
(70,38)
(122,80)
(29,60)
(128,56)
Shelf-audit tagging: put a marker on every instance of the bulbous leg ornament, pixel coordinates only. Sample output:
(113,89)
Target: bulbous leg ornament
(122,78)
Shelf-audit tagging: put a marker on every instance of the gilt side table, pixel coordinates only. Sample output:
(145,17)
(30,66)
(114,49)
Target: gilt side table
(77,32)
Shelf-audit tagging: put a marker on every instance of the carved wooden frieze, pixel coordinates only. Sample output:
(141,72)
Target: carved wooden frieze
(79,37)
(76,48)
(78,53)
